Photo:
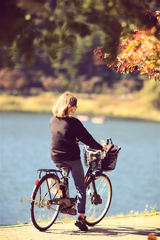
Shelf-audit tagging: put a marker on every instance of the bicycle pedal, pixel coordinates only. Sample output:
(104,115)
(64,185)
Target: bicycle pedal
(70,211)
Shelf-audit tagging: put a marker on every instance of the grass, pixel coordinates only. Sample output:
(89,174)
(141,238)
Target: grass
(64,218)
(146,213)
(138,105)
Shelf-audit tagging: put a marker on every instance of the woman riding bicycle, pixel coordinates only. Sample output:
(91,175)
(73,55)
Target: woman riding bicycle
(65,131)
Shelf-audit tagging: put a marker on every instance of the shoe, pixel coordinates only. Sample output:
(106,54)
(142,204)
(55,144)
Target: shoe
(80,223)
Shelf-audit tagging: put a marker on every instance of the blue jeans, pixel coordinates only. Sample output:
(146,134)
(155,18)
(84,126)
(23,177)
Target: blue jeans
(78,177)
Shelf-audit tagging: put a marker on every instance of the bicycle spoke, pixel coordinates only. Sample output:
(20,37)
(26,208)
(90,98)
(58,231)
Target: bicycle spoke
(43,213)
(97,203)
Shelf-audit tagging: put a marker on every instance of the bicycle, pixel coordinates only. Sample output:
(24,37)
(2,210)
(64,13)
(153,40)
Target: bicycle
(50,195)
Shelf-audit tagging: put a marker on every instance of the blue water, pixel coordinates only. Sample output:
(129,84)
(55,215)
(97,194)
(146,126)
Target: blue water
(25,147)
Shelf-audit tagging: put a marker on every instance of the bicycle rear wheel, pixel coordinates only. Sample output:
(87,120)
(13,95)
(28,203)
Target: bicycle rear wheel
(97,202)
(43,210)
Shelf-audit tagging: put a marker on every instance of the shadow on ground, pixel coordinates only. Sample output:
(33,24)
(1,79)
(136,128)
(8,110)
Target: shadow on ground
(119,231)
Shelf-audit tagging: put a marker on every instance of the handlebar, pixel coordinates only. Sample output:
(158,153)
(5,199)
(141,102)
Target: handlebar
(91,152)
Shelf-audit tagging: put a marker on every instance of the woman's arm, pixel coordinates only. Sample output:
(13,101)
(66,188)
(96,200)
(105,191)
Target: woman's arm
(84,136)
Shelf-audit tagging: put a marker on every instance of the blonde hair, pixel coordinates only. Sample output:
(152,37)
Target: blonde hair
(63,106)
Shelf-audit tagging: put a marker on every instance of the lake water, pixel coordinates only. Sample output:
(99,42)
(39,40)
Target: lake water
(25,147)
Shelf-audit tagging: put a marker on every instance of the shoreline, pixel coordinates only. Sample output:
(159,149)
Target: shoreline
(136,106)
(118,216)
(121,118)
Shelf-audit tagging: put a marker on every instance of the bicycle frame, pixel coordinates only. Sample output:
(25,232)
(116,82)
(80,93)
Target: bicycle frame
(65,192)
(67,204)
(50,195)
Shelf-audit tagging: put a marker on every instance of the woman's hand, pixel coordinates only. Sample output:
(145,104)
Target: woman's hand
(104,149)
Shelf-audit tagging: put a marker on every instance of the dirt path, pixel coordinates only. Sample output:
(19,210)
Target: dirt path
(126,228)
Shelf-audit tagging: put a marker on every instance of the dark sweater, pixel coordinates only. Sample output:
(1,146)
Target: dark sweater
(65,132)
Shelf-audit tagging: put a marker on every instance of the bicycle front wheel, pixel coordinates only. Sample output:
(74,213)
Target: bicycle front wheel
(98,198)
(44,210)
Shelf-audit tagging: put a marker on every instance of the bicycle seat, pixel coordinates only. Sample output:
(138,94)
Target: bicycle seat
(60,165)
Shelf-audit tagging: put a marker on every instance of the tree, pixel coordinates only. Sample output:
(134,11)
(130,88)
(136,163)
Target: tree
(13,81)
(139,51)
(28,27)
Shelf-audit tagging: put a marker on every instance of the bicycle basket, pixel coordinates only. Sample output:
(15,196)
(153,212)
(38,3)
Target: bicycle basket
(101,161)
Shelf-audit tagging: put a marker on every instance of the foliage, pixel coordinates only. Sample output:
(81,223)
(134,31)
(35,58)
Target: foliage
(13,81)
(36,25)
(56,38)
(80,62)
(139,51)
